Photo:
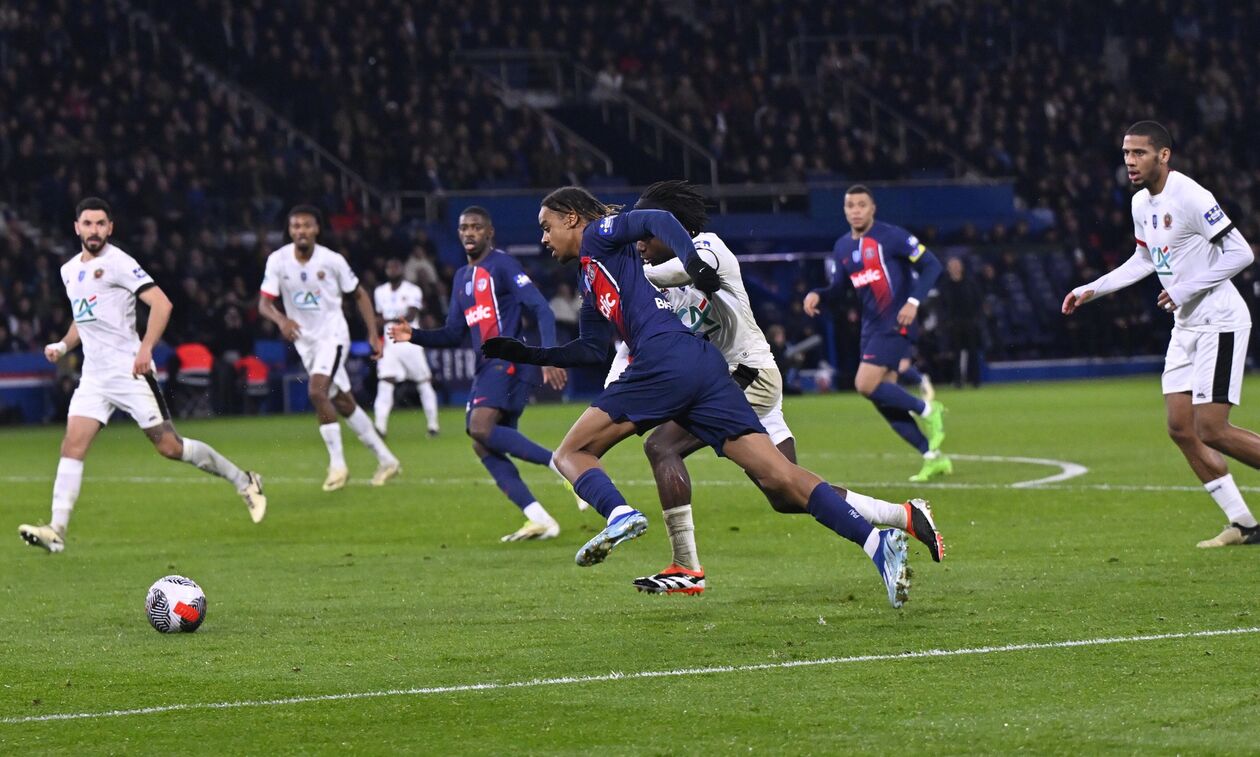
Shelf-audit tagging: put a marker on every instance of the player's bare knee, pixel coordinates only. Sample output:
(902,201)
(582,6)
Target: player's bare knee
(344,403)
(657,450)
(1213,433)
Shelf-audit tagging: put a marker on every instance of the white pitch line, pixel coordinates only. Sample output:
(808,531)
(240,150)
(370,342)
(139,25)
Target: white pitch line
(1066,469)
(617,676)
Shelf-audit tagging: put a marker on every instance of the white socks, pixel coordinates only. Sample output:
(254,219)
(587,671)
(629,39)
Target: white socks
(332,440)
(209,460)
(384,404)
(877,512)
(537,513)
(927,410)
(428,401)
(872,544)
(682,537)
(361,425)
(1225,492)
(931,454)
(65,491)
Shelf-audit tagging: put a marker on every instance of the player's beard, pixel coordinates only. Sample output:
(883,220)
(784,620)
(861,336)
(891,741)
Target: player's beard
(93,244)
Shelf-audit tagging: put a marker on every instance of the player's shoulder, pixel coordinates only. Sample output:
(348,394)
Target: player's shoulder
(1187,190)
(329,254)
(382,289)
(601,232)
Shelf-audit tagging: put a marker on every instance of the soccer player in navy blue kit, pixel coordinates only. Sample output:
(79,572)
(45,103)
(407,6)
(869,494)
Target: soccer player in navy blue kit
(487,297)
(879,260)
(673,376)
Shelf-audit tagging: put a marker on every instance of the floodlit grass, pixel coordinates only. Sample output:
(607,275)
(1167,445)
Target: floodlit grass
(407,586)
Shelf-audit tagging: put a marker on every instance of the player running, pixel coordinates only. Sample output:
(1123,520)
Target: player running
(1185,238)
(400,299)
(310,280)
(726,319)
(103,284)
(673,376)
(487,297)
(879,259)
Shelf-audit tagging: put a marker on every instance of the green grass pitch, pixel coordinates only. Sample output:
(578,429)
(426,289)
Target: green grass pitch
(407,587)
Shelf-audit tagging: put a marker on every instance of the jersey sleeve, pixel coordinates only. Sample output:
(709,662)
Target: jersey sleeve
(631,226)
(415,298)
(130,275)
(345,275)
(1208,216)
(1139,235)
(271,278)
(376,300)
(668,274)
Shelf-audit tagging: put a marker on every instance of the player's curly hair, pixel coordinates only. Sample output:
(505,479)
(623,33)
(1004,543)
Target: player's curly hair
(679,198)
(579,201)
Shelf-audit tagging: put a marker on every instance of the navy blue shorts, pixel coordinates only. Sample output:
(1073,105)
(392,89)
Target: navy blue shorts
(501,385)
(886,349)
(678,377)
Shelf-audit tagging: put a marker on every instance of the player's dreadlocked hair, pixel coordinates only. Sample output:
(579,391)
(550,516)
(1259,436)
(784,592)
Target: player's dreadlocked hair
(1152,130)
(679,198)
(578,200)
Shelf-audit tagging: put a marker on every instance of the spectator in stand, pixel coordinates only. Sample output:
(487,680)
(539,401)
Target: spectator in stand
(566,306)
(960,309)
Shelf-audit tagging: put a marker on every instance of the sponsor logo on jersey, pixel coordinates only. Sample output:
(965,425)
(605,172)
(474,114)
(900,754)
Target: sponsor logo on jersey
(605,226)
(522,279)
(1214,215)
(607,303)
(866,277)
(662,304)
(306,299)
(478,313)
(83,309)
(139,273)
(1168,220)
(698,320)
(1162,258)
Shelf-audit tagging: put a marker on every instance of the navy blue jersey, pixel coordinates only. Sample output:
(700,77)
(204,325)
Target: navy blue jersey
(486,301)
(611,279)
(881,265)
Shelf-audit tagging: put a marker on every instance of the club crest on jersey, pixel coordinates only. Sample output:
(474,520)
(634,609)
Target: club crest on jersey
(99,272)
(82,275)
(1214,215)
(320,275)
(605,226)
(1168,220)
(482,284)
(83,309)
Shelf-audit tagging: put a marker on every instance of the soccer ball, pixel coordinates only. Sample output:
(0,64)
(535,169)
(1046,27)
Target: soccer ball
(175,604)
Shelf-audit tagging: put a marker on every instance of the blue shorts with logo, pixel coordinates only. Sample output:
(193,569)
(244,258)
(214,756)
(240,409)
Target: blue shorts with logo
(504,386)
(678,377)
(886,349)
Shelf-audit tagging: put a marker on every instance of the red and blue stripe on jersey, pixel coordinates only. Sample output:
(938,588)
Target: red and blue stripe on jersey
(879,266)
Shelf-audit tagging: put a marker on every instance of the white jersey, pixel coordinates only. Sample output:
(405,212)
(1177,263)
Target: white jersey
(102,291)
(725,319)
(393,303)
(1180,231)
(312,291)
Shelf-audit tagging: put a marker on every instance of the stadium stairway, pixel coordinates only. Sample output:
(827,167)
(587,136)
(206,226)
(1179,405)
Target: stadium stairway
(630,160)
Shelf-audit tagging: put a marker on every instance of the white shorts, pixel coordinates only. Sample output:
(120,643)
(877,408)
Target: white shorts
(1208,365)
(765,394)
(403,361)
(141,398)
(326,358)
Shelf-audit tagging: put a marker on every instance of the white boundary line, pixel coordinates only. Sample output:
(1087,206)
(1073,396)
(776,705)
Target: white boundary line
(616,676)
(1066,469)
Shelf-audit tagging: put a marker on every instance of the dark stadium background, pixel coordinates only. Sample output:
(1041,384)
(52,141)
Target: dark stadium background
(991,129)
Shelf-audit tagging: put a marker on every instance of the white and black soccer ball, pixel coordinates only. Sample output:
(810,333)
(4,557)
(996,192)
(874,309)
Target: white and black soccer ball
(175,604)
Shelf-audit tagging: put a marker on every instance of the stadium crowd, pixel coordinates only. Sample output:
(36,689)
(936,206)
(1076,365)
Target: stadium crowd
(90,103)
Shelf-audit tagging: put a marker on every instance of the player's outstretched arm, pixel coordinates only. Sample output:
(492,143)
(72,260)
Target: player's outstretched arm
(635,225)
(450,335)
(590,348)
(1133,270)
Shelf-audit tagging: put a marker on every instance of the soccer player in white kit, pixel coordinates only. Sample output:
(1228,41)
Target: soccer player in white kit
(1185,238)
(103,284)
(310,280)
(402,361)
(726,320)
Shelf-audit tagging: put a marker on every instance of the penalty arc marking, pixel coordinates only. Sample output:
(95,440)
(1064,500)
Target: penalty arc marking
(1067,469)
